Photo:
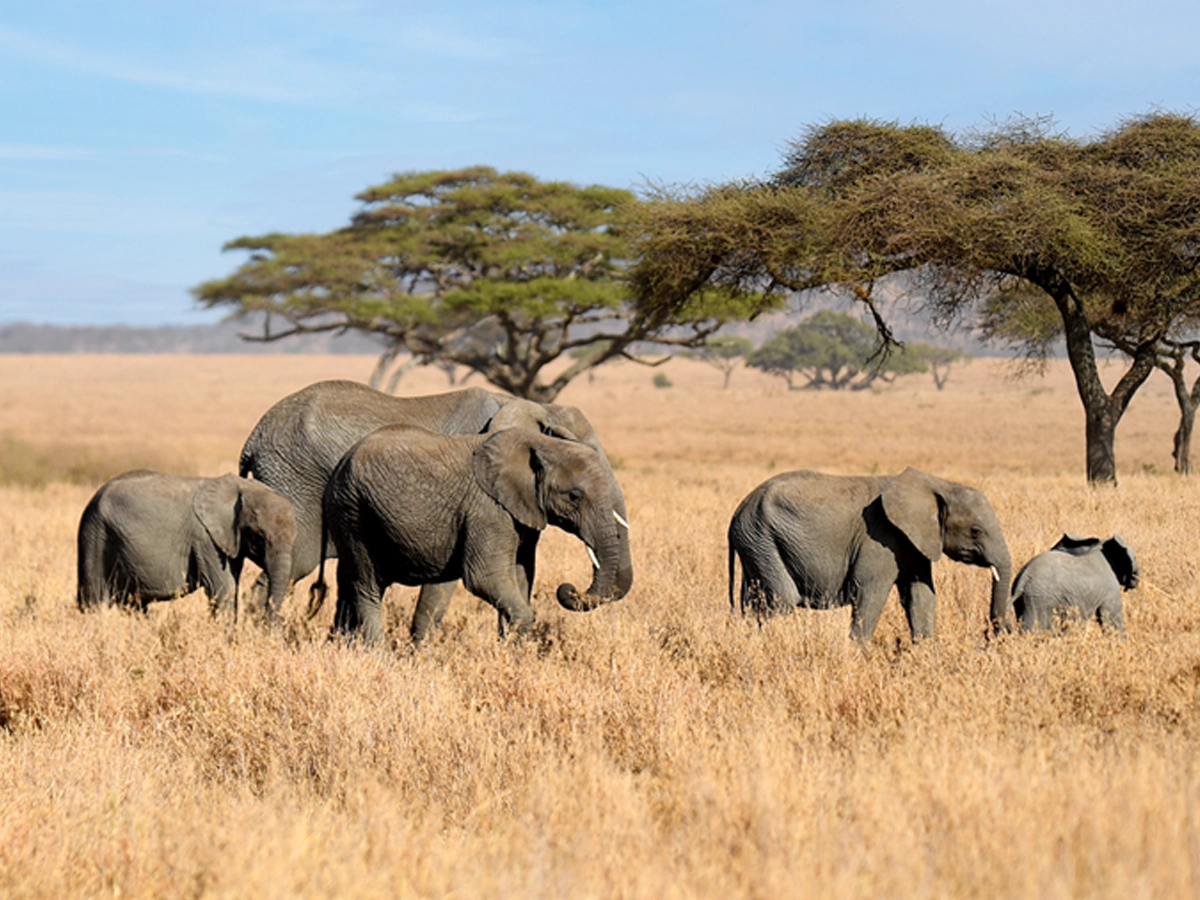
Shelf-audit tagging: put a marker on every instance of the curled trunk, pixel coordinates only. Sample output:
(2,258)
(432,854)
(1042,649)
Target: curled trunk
(612,577)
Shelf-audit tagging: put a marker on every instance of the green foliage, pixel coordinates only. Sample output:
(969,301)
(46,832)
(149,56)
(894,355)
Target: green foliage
(660,380)
(832,350)
(498,272)
(722,352)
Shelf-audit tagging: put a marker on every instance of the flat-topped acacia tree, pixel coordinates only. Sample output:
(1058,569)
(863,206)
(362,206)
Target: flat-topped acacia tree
(1107,230)
(498,272)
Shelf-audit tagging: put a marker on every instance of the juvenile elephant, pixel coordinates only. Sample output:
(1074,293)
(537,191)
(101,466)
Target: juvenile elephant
(409,506)
(298,442)
(1076,578)
(820,541)
(148,536)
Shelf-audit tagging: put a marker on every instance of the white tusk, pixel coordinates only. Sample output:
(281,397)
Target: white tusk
(592,554)
(995,575)
(620,520)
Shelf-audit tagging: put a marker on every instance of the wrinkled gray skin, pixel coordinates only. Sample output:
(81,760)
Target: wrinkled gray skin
(821,541)
(409,506)
(298,442)
(1078,578)
(149,536)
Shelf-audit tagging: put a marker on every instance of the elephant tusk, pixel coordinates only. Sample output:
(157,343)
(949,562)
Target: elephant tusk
(620,519)
(995,575)
(592,554)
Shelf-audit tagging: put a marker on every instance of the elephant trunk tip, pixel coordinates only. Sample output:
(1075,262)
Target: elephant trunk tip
(570,598)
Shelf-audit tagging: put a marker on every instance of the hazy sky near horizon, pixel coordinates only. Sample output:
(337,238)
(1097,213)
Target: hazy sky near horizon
(137,138)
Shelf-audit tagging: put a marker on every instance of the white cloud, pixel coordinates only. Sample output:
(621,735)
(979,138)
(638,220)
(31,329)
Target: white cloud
(42,152)
(262,78)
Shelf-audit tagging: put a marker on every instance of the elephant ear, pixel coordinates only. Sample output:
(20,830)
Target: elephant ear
(910,502)
(1076,545)
(534,416)
(509,470)
(1124,564)
(217,505)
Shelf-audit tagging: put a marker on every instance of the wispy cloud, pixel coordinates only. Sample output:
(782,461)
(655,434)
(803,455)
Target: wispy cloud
(226,81)
(42,153)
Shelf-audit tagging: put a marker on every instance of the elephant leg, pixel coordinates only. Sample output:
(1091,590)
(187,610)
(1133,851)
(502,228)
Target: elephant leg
(221,588)
(1112,615)
(920,607)
(360,601)
(503,590)
(432,603)
(868,607)
(767,585)
(259,592)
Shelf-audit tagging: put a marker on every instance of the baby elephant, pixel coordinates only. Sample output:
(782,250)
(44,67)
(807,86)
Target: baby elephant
(148,536)
(1076,578)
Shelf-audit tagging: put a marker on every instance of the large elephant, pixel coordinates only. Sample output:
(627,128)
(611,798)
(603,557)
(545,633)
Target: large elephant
(1076,578)
(298,442)
(820,541)
(149,536)
(410,506)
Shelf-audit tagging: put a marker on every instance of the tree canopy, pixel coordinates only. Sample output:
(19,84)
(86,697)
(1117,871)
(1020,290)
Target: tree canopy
(832,350)
(497,272)
(1106,230)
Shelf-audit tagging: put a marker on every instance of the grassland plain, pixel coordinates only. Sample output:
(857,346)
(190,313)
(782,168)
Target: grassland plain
(658,747)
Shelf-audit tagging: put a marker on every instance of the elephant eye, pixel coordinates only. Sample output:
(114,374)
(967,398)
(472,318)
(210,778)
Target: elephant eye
(976,531)
(575,495)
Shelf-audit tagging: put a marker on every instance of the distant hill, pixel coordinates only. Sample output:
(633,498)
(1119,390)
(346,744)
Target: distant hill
(222,337)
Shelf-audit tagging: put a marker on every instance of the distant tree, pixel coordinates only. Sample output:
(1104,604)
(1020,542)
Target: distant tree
(497,272)
(723,352)
(939,360)
(832,350)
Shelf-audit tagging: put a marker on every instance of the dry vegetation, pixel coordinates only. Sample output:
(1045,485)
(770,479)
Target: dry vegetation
(657,747)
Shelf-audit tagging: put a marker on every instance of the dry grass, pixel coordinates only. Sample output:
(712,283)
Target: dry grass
(657,747)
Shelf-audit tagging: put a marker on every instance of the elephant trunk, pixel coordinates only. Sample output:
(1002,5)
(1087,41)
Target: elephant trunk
(613,573)
(1001,596)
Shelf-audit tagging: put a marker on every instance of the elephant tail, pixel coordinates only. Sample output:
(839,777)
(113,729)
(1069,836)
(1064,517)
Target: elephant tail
(732,573)
(316,593)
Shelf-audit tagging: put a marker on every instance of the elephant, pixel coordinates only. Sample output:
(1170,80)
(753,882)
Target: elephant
(1076,578)
(411,506)
(820,541)
(298,442)
(148,536)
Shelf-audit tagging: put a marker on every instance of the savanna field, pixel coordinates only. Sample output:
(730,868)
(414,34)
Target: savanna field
(657,747)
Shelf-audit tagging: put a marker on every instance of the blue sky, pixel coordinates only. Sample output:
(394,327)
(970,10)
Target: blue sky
(138,137)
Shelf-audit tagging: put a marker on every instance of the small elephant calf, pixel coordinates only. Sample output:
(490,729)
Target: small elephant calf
(149,536)
(1076,578)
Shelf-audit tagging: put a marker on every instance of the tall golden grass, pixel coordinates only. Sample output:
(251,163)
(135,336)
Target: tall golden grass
(657,747)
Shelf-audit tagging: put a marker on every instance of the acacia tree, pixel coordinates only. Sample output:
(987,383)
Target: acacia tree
(832,350)
(722,352)
(1108,230)
(497,272)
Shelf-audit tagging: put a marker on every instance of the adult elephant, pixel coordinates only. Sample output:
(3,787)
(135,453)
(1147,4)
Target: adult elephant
(150,536)
(409,506)
(820,541)
(1076,578)
(299,441)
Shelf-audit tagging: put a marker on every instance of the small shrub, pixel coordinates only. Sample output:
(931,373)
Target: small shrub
(662,381)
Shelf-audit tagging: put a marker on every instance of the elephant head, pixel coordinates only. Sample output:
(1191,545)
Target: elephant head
(939,516)
(544,481)
(564,422)
(247,519)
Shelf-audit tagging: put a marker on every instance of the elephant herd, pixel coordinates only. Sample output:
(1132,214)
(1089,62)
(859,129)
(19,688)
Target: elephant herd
(428,491)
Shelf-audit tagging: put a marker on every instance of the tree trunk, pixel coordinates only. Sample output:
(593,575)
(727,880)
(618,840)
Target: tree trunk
(1102,411)
(1183,440)
(1187,402)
